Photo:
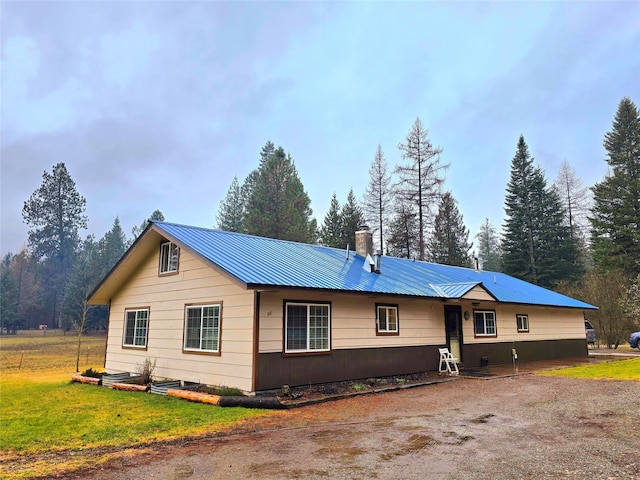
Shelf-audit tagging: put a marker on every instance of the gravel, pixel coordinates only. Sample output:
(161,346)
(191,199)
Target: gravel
(521,427)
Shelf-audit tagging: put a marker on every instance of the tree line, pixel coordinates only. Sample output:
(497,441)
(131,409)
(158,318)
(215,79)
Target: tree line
(565,236)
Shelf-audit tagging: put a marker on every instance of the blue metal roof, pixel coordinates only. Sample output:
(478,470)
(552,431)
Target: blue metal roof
(263,262)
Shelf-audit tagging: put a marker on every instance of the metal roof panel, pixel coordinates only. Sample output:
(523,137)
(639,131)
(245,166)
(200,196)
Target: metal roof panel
(259,261)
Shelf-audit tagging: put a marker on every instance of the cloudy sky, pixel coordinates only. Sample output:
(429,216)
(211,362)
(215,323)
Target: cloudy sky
(158,105)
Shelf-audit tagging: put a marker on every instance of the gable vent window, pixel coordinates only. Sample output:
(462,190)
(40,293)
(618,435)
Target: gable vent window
(169,253)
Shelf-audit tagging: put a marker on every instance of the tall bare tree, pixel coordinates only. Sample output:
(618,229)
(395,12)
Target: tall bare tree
(575,198)
(420,180)
(378,196)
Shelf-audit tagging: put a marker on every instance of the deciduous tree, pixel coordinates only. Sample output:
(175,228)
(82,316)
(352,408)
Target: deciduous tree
(489,253)
(378,197)
(420,180)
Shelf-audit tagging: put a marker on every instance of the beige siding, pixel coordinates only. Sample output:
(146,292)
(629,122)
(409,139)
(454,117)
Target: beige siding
(545,323)
(478,293)
(196,282)
(353,321)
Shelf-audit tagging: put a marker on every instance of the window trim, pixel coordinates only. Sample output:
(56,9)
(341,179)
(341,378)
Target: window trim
(387,333)
(199,351)
(287,352)
(495,324)
(162,272)
(526,318)
(132,346)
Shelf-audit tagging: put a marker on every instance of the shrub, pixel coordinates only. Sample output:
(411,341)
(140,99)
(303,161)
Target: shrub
(145,371)
(90,372)
(224,391)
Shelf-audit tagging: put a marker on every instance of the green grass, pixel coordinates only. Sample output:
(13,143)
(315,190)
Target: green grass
(615,370)
(46,416)
(42,412)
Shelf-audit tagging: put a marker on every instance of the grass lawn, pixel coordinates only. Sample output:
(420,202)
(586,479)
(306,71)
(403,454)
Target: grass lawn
(615,370)
(41,411)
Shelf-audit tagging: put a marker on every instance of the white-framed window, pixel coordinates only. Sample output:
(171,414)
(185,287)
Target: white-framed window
(169,253)
(387,319)
(485,323)
(202,328)
(307,327)
(136,327)
(522,321)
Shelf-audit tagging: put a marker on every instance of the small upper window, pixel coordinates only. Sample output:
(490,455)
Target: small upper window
(387,319)
(485,323)
(523,322)
(169,253)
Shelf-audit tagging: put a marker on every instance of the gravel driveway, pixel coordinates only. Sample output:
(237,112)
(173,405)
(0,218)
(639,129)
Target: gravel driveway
(522,427)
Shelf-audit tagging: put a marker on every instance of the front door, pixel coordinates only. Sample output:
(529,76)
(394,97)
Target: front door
(453,326)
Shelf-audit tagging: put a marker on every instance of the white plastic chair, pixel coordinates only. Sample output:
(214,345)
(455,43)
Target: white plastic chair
(448,363)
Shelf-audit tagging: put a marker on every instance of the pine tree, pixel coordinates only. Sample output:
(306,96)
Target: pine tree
(449,244)
(8,295)
(489,248)
(378,196)
(277,204)
(537,245)
(352,219)
(420,180)
(55,211)
(331,231)
(403,232)
(615,216)
(112,247)
(232,209)
(156,216)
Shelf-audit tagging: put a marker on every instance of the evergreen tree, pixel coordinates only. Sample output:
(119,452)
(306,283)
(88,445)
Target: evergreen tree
(112,247)
(489,248)
(331,231)
(537,245)
(232,209)
(420,180)
(403,232)
(29,296)
(277,205)
(615,234)
(449,244)
(55,213)
(8,295)
(352,219)
(378,196)
(156,216)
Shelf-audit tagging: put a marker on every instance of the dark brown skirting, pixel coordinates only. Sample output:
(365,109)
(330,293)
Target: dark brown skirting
(275,370)
(500,353)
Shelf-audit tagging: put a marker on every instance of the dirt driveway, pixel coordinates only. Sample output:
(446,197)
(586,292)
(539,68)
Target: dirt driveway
(523,427)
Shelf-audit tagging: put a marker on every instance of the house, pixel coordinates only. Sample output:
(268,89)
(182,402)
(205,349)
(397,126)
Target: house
(223,308)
